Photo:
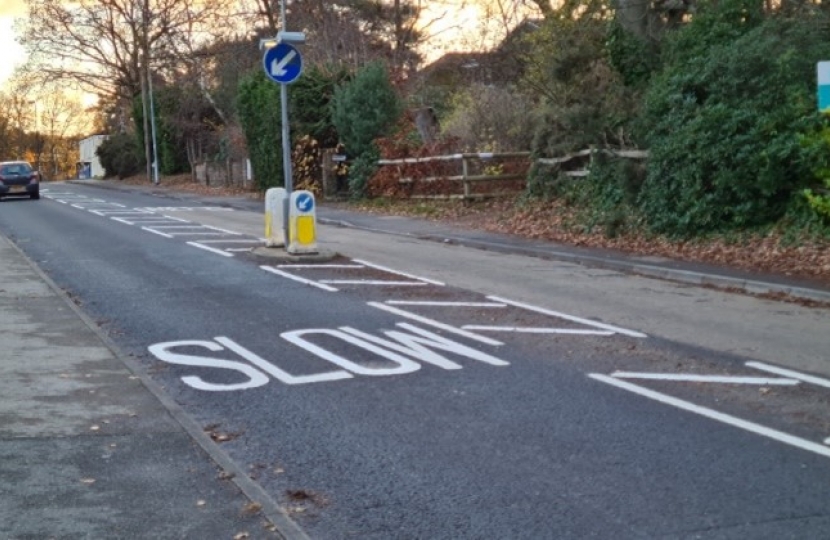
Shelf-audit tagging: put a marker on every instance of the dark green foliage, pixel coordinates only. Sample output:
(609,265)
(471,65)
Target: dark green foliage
(310,99)
(170,145)
(365,108)
(361,170)
(120,156)
(258,106)
(635,59)
(723,121)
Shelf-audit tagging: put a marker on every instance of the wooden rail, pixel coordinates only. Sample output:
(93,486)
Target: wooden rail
(467,179)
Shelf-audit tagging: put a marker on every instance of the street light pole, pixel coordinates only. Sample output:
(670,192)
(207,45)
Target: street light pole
(153,126)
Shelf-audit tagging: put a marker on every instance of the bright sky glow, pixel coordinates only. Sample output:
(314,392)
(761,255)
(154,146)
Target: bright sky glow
(12,52)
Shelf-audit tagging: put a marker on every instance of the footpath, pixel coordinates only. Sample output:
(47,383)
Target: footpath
(91,448)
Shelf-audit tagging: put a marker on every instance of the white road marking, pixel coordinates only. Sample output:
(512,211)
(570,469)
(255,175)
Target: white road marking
(192,233)
(827,440)
(212,250)
(298,278)
(688,377)
(231,241)
(789,373)
(752,427)
(156,232)
(372,282)
(443,304)
(571,318)
(226,231)
(436,324)
(141,222)
(391,271)
(353,266)
(532,330)
(166,227)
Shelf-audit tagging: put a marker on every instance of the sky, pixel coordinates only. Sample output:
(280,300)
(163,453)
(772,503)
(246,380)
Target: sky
(12,52)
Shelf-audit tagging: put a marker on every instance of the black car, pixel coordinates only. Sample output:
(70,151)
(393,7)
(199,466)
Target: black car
(18,177)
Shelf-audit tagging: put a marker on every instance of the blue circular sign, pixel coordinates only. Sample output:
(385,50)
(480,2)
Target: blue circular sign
(304,202)
(283,63)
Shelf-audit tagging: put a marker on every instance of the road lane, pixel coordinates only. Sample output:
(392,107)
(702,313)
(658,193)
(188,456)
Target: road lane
(519,442)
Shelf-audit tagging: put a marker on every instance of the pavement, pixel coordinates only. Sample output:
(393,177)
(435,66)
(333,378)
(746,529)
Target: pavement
(92,447)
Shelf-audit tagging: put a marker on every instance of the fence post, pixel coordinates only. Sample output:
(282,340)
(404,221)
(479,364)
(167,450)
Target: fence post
(464,173)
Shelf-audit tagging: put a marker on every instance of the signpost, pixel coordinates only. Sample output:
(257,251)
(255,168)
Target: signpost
(283,64)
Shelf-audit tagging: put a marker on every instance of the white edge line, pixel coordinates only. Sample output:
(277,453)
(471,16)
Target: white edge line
(298,278)
(443,304)
(752,427)
(212,250)
(404,274)
(156,232)
(532,330)
(431,322)
(789,373)
(567,317)
(689,377)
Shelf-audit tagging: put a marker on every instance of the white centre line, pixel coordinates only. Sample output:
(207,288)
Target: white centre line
(532,330)
(689,377)
(391,271)
(571,318)
(208,248)
(373,282)
(431,322)
(789,373)
(298,278)
(444,304)
(758,429)
(338,266)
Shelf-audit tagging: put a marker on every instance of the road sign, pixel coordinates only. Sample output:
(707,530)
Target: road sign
(305,202)
(823,69)
(283,63)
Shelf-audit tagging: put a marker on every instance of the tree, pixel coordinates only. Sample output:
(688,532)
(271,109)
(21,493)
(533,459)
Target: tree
(109,46)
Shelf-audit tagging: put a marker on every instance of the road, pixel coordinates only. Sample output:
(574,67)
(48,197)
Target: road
(408,389)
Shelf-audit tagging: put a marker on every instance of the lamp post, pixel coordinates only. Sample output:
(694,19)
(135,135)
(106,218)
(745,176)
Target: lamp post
(153,126)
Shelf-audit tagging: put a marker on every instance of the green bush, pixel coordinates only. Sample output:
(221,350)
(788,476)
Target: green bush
(361,171)
(365,109)
(120,156)
(724,125)
(310,99)
(259,109)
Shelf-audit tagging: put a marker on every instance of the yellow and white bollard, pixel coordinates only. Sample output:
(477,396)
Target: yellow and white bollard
(302,223)
(275,217)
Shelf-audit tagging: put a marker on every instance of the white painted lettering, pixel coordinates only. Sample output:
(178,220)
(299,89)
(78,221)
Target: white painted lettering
(418,346)
(404,365)
(162,351)
(278,373)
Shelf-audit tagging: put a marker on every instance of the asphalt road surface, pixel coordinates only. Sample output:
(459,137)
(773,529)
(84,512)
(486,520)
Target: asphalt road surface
(414,395)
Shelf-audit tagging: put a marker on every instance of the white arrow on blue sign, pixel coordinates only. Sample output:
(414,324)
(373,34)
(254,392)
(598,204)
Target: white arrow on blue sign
(283,63)
(305,202)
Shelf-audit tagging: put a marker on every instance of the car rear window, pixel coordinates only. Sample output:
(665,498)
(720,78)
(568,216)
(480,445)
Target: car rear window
(16,168)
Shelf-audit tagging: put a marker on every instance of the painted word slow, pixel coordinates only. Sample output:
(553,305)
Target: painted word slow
(406,348)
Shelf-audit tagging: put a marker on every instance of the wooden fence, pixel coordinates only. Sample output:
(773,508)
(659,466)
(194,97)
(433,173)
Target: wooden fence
(481,174)
(472,170)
